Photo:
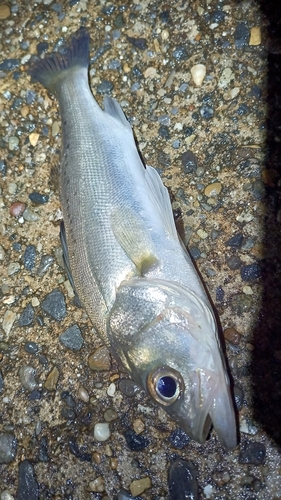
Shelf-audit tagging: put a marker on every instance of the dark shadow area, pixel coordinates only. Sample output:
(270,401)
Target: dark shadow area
(266,362)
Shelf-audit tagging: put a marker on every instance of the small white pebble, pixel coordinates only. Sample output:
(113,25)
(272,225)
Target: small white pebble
(33,138)
(35,302)
(2,253)
(208,491)
(198,73)
(165,35)
(247,290)
(83,394)
(101,431)
(55,129)
(12,188)
(8,321)
(111,390)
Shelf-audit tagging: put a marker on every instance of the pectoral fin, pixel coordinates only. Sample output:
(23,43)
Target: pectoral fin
(66,262)
(160,197)
(131,233)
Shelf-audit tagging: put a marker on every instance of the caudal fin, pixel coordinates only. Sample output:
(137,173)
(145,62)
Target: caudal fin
(75,54)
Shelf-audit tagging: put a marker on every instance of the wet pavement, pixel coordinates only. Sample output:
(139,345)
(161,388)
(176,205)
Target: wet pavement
(200,84)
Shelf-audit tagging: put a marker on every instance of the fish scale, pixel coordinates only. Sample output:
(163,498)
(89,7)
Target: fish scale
(130,269)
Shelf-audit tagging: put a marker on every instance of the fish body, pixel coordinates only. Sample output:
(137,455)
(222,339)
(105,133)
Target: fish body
(129,267)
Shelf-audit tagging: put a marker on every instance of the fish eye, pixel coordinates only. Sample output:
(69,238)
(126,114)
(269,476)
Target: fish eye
(165,385)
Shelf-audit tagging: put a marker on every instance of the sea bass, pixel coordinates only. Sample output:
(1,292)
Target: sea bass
(130,270)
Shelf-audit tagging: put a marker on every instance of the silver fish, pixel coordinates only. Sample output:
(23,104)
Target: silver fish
(131,271)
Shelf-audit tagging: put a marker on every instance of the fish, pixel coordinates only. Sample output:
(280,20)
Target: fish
(129,267)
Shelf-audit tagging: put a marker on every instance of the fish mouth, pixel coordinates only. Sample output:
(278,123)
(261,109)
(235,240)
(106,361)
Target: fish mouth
(208,402)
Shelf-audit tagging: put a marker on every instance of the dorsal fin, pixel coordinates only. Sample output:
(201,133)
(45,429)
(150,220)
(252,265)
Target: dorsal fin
(113,108)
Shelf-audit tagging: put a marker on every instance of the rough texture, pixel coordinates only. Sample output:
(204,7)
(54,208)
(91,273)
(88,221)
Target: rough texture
(217,147)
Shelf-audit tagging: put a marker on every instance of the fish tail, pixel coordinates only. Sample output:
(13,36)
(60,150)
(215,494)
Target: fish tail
(50,70)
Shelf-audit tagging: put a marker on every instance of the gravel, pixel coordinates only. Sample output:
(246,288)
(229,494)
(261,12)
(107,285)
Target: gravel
(218,155)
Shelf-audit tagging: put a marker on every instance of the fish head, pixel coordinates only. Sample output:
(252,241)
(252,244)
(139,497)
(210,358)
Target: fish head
(166,337)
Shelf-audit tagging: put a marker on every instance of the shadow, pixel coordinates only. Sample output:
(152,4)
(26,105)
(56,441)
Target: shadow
(266,361)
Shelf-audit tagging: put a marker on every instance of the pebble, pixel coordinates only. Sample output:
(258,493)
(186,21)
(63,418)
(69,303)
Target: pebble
(232,335)
(83,394)
(38,198)
(45,263)
(30,216)
(189,162)
(235,241)
(163,131)
(198,73)
(206,111)
(252,453)
(43,450)
(4,11)
(71,338)
(97,485)
(255,36)
(27,483)
(1,382)
(101,431)
(124,495)
(13,143)
(238,397)
(31,347)
(2,253)
(247,290)
(202,234)
(247,427)
(139,43)
(221,477)
(105,87)
(233,262)
(12,188)
(33,138)
(27,378)
(241,303)
(150,72)
(135,442)
(111,389)
(17,209)
(220,293)
(231,94)
(138,486)
(74,449)
(180,53)
(250,272)
(8,447)
(35,302)
(110,415)
(100,359)
(27,316)
(13,268)
(6,495)
(29,257)
(3,168)
(55,129)
(213,189)
(194,252)
(52,379)
(128,387)
(241,35)
(8,321)
(54,305)
(68,414)
(179,439)
(182,480)
(226,77)
(138,426)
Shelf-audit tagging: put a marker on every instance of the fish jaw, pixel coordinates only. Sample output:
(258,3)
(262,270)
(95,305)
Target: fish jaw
(162,331)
